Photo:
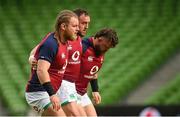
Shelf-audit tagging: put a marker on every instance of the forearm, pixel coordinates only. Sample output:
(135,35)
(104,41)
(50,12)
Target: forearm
(43,76)
(94,85)
(95,91)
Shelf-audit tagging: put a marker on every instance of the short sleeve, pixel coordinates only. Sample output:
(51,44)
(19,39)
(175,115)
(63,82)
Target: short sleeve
(47,51)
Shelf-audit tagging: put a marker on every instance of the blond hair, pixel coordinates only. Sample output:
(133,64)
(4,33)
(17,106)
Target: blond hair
(64,17)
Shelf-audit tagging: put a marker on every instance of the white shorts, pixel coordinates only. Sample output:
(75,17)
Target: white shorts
(67,92)
(38,100)
(84,100)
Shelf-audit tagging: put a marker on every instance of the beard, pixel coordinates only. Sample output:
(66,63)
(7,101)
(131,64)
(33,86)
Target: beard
(69,36)
(98,51)
(73,37)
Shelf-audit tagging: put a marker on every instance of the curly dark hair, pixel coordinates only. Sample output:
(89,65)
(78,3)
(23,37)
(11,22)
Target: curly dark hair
(109,34)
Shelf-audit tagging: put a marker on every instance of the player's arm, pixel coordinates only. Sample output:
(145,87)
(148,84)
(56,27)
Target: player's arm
(94,85)
(95,91)
(45,58)
(32,59)
(31,56)
(43,75)
(42,71)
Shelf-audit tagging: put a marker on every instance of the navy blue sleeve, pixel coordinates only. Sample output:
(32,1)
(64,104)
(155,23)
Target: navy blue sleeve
(48,51)
(85,44)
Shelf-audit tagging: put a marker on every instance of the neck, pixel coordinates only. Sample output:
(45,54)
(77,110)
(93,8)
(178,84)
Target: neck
(60,38)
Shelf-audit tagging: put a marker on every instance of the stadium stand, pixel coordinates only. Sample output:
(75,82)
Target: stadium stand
(149,34)
(167,95)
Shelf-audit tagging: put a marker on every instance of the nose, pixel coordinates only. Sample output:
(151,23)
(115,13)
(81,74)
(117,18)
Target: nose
(77,28)
(87,26)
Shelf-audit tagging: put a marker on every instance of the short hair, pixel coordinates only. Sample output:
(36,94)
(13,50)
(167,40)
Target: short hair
(64,17)
(80,11)
(108,34)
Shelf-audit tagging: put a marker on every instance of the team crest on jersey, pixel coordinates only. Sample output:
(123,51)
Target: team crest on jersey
(90,58)
(63,55)
(69,47)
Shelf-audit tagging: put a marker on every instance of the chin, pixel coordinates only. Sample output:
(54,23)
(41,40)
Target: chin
(84,33)
(74,37)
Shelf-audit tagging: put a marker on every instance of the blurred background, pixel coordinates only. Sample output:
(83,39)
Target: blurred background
(142,71)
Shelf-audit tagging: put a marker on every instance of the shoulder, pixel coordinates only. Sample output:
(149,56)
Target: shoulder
(51,42)
(86,43)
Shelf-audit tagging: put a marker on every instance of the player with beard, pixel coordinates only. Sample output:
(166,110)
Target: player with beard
(94,49)
(51,55)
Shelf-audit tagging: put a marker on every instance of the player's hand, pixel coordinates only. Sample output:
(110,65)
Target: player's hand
(95,76)
(33,62)
(96,97)
(55,102)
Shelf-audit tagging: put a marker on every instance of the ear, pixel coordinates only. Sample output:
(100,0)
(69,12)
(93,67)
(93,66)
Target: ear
(99,39)
(63,26)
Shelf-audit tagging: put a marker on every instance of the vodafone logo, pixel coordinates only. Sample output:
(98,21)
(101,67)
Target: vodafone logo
(75,56)
(94,70)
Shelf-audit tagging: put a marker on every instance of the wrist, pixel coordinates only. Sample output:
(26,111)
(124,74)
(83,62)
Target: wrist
(94,85)
(95,90)
(48,87)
